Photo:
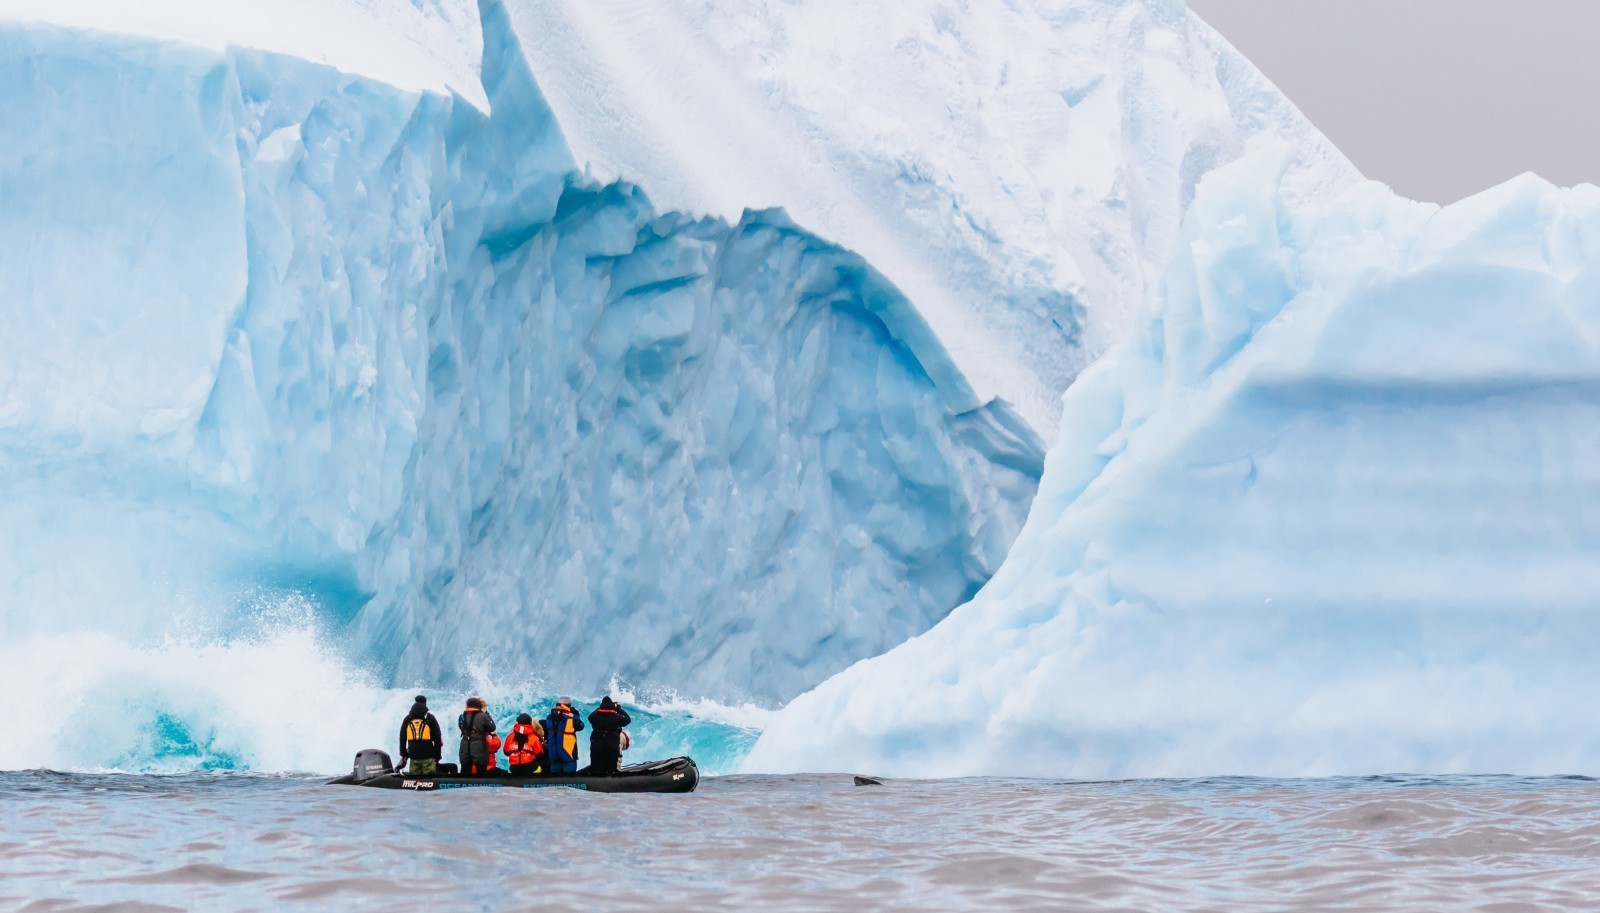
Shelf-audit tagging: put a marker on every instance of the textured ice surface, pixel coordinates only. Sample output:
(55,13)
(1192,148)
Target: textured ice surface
(1019,170)
(571,377)
(271,326)
(433,45)
(1333,508)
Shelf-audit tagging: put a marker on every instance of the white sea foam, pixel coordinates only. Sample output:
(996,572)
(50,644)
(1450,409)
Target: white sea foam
(281,698)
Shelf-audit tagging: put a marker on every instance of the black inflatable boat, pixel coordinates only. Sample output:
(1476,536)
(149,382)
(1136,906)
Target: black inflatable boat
(674,775)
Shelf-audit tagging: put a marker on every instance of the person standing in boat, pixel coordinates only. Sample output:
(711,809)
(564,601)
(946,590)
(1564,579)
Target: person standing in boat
(561,737)
(421,739)
(523,747)
(605,737)
(477,726)
(542,762)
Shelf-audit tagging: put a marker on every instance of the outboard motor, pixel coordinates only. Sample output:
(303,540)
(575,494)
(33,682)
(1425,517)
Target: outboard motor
(371,763)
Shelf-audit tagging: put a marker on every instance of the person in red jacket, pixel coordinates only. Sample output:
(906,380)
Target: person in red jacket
(523,747)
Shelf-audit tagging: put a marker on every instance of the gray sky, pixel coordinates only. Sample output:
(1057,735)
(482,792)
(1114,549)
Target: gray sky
(1438,98)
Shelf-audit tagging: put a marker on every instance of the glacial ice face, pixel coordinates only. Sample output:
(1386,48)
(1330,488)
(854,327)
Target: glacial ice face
(1332,509)
(1020,169)
(276,328)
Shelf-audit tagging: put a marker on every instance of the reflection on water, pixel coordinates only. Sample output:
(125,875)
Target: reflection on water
(239,841)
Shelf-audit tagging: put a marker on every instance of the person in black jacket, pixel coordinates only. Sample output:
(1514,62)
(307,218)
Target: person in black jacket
(421,739)
(476,726)
(605,737)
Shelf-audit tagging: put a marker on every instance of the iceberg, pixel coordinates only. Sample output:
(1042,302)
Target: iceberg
(1332,509)
(455,323)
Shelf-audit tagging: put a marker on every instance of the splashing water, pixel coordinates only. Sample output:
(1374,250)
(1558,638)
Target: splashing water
(280,698)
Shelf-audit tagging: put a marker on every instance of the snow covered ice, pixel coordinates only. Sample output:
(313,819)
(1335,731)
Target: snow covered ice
(1333,508)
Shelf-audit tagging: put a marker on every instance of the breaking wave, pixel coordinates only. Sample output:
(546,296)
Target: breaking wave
(283,698)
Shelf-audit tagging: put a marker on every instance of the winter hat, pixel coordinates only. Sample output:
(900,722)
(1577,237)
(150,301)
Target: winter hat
(607,704)
(421,699)
(524,718)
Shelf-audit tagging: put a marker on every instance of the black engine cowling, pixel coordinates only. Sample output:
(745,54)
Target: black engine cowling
(371,763)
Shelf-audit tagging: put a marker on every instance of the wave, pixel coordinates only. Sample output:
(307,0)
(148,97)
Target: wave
(281,699)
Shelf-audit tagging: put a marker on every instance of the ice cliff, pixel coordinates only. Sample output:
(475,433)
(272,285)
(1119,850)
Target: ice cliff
(553,368)
(1333,508)
(282,327)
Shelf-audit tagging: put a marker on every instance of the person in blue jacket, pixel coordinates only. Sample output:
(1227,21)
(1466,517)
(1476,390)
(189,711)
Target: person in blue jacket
(561,730)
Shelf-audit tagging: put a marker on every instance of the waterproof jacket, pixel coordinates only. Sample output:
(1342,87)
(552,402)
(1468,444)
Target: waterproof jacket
(561,730)
(523,745)
(607,732)
(605,739)
(420,735)
(475,725)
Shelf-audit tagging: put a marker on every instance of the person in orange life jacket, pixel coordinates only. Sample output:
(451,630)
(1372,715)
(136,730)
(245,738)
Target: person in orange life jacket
(523,747)
(421,739)
(561,737)
(477,728)
(605,738)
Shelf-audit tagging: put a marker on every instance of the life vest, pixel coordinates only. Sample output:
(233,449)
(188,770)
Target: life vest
(418,731)
(523,745)
(562,727)
(469,734)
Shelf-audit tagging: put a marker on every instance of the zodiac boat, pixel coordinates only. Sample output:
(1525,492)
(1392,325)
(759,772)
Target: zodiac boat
(373,768)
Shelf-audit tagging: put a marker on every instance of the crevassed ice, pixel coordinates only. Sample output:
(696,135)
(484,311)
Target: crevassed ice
(274,327)
(1334,508)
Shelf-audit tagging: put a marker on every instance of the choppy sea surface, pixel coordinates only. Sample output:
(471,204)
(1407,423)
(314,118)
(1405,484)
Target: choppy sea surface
(233,841)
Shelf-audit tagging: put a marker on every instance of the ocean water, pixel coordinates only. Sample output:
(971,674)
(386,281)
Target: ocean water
(239,841)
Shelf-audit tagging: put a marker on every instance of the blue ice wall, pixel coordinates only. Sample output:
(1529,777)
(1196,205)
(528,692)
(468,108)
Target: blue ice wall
(272,327)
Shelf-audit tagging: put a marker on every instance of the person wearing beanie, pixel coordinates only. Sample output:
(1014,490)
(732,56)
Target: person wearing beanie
(561,737)
(477,735)
(523,747)
(605,737)
(421,740)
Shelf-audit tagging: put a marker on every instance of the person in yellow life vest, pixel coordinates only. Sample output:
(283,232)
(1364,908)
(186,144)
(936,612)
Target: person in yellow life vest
(421,740)
(561,737)
(523,747)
